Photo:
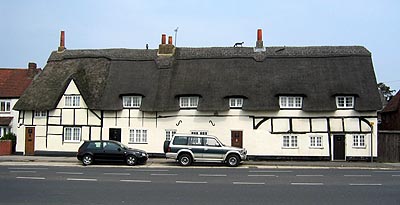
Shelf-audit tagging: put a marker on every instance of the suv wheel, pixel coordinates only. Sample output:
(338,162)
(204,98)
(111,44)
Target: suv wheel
(87,159)
(185,159)
(233,160)
(130,160)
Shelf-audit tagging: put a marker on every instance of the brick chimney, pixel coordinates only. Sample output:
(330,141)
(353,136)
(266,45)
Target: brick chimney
(166,49)
(32,69)
(61,48)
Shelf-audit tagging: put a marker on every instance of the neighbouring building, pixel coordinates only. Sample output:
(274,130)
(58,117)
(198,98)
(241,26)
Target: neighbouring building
(390,115)
(13,82)
(317,102)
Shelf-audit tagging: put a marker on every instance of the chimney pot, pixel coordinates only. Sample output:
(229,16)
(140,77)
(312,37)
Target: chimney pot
(163,38)
(61,48)
(259,35)
(170,40)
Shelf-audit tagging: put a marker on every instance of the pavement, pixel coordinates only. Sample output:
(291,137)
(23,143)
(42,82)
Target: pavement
(20,160)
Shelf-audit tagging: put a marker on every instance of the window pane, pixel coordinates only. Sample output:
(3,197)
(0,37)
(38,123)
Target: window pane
(132,136)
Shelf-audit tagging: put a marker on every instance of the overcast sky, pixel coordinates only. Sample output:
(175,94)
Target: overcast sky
(30,29)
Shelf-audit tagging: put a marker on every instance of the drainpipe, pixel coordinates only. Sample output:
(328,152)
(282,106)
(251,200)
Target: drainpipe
(371,139)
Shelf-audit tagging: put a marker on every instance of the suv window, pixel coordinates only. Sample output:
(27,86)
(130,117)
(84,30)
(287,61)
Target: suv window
(180,140)
(211,142)
(94,145)
(196,141)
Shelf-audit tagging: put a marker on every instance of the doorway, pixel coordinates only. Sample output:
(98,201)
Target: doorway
(115,134)
(339,147)
(29,141)
(237,139)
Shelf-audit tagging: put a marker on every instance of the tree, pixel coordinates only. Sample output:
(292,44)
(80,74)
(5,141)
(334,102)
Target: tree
(387,93)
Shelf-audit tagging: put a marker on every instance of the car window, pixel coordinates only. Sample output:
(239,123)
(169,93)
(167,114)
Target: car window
(110,146)
(211,142)
(196,141)
(94,145)
(180,140)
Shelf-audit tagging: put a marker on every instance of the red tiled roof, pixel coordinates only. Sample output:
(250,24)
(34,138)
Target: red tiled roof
(13,82)
(5,121)
(393,104)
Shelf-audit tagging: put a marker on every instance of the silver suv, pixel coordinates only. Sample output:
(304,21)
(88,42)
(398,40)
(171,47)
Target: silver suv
(186,149)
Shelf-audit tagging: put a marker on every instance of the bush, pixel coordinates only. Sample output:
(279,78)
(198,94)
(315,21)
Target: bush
(10,136)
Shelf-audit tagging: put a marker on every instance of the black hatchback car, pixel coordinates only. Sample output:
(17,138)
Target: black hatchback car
(110,151)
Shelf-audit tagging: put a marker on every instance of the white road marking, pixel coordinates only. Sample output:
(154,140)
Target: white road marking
(118,174)
(310,175)
(366,175)
(27,168)
(70,173)
(147,170)
(23,171)
(249,183)
(80,179)
(213,175)
(395,175)
(307,184)
(163,174)
(190,182)
(268,171)
(261,175)
(365,184)
(38,178)
(135,181)
(388,171)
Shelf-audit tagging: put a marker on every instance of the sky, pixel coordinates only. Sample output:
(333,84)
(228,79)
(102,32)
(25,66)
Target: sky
(30,29)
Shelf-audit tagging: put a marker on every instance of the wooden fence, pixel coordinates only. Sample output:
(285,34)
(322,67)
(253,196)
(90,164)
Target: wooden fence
(388,146)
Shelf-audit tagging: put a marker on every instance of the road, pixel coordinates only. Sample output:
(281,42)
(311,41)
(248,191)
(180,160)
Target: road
(195,185)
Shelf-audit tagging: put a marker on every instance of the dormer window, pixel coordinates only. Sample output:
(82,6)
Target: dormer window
(72,100)
(235,102)
(132,101)
(344,102)
(188,102)
(290,102)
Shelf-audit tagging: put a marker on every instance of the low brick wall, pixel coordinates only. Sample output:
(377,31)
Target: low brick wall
(5,147)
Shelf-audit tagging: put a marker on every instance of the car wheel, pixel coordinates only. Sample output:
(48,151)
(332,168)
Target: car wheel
(185,160)
(233,160)
(131,160)
(87,159)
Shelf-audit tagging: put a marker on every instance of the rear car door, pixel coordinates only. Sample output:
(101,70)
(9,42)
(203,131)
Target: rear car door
(195,145)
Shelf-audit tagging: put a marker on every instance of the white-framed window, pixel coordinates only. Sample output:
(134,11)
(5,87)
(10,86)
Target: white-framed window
(138,136)
(4,131)
(188,102)
(72,134)
(169,134)
(290,102)
(5,105)
(289,141)
(72,100)
(316,141)
(40,114)
(344,102)
(235,102)
(132,101)
(199,132)
(359,141)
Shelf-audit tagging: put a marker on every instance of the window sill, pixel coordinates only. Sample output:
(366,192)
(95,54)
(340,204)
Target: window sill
(72,142)
(290,147)
(365,147)
(316,147)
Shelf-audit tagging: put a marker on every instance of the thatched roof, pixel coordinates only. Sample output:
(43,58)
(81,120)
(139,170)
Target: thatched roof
(214,74)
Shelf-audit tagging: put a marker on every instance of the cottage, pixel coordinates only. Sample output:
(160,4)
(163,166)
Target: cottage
(13,82)
(278,102)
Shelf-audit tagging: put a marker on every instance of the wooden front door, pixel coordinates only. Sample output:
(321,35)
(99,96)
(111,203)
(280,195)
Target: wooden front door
(115,134)
(339,147)
(29,141)
(237,139)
